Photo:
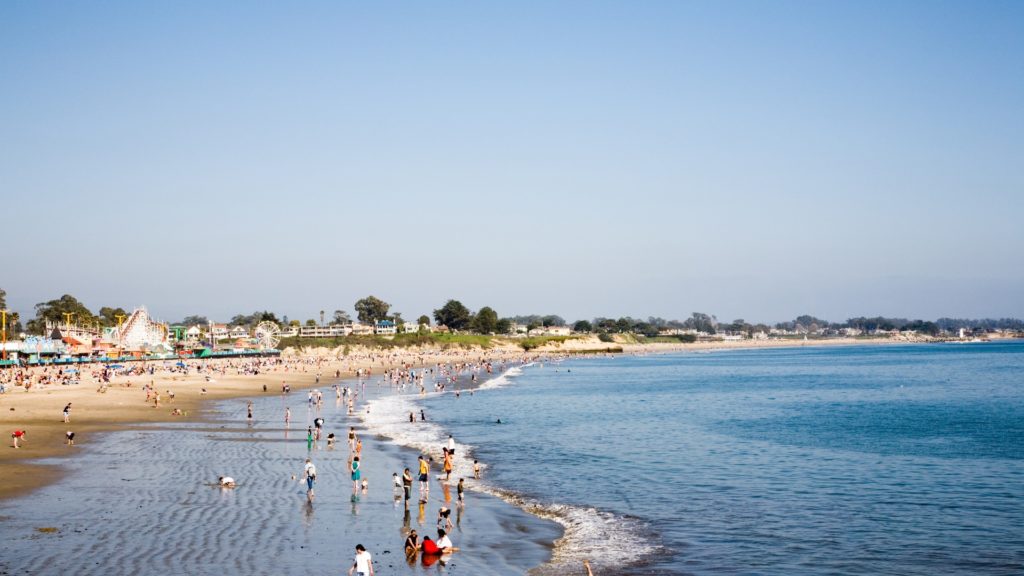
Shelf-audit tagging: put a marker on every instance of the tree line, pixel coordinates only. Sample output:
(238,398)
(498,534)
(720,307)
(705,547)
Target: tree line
(456,316)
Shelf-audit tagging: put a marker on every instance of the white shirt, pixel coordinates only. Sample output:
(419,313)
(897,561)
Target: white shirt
(363,562)
(444,542)
(451,444)
(227,480)
(310,469)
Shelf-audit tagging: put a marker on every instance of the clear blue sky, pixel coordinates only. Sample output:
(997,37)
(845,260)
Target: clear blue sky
(753,160)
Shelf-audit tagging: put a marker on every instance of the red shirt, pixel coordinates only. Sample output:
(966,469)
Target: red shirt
(429,547)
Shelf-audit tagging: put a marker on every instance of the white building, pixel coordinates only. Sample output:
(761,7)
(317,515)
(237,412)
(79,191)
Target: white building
(360,329)
(551,331)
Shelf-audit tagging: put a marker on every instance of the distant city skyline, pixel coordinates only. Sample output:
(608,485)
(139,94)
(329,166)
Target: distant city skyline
(755,161)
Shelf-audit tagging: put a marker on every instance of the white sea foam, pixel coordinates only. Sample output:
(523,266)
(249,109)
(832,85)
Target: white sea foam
(588,530)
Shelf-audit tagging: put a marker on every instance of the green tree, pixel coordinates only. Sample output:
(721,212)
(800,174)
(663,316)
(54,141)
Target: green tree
(295,323)
(423,320)
(54,311)
(240,320)
(552,320)
(702,323)
(453,315)
(486,321)
(341,318)
(195,320)
(582,326)
(265,316)
(311,323)
(504,326)
(108,316)
(371,310)
(13,318)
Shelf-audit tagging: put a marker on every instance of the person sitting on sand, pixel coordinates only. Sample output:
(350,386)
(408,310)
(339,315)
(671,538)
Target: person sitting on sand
(429,546)
(412,543)
(226,482)
(444,544)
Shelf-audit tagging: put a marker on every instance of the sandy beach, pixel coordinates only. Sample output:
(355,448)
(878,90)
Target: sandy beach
(39,410)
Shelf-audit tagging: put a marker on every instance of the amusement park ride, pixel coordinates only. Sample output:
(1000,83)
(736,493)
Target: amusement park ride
(137,336)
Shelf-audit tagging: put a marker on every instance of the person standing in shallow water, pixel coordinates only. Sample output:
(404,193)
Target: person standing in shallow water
(355,473)
(363,562)
(309,471)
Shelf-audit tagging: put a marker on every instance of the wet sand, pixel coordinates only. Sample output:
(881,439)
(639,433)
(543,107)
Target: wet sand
(140,501)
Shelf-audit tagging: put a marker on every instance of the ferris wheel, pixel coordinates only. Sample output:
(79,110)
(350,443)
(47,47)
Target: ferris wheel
(267,334)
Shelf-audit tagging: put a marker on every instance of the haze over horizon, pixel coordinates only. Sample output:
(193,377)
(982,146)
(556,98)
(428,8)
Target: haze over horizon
(655,159)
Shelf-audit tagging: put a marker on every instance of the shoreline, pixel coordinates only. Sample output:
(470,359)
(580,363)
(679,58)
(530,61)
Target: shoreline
(38,411)
(151,484)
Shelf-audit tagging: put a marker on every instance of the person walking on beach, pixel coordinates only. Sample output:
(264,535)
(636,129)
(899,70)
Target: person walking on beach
(16,436)
(424,478)
(447,465)
(451,445)
(287,416)
(363,562)
(67,413)
(460,488)
(309,438)
(249,410)
(309,472)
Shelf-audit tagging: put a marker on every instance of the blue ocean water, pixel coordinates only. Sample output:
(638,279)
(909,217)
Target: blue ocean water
(816,460)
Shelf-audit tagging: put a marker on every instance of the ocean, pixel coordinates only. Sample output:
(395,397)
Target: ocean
(812,460)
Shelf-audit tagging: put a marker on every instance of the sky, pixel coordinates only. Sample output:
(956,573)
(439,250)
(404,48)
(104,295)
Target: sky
(755,160)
